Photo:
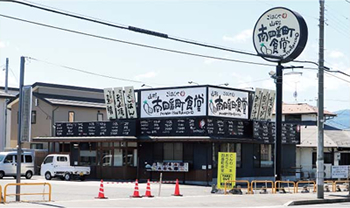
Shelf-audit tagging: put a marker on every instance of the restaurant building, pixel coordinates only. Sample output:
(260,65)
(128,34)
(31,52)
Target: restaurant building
(177,132)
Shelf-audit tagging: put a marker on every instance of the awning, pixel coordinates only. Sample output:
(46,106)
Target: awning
(84,139)
(194,138)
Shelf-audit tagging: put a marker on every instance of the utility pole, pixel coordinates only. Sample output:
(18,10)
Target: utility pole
(278,127)
(6,100)
(320,119)
(19,139)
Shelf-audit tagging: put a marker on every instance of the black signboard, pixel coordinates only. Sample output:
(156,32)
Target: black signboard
(229,128)
(173,127)
(195,127)
(265,132)
(104,128)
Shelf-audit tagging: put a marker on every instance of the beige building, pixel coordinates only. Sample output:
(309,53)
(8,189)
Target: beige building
(53,103)
(5,120)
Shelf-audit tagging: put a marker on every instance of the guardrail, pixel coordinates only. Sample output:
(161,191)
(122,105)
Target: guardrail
(27,184)
(284,182)
(305,182)
(330,182)
(264,189)
(238,181)
(335,183)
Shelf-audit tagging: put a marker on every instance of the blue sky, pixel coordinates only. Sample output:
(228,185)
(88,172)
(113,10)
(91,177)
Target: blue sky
(223,23)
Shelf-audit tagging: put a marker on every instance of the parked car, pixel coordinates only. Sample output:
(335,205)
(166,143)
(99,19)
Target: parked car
(8,164)
(58,165)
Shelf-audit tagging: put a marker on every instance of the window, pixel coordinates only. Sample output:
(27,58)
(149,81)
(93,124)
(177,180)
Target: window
(8,159)
(263,155)
(292,117)
(118,157)
(36,146)
(28,158)
(327,157)
(1,157)
(173,152)
(62,159)
(99,116)
(266,159)
(107,158)
(33,117)
(48,160)
(233,147)
(71,116)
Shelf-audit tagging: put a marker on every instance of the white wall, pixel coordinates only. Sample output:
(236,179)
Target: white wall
(304,160)
(309,117)
(2,123)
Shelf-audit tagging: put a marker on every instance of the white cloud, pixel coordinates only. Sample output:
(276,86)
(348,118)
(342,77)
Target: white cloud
(2,44)
(241,37)
(146,75)
(335,54)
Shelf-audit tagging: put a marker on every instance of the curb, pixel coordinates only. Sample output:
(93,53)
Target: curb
(317,201)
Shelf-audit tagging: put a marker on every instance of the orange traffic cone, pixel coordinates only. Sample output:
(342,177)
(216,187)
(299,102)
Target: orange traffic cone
(148,190)
(177,189)
(136,190)
(101,194)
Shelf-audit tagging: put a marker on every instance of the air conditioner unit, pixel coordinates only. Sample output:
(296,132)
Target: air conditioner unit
(327,170)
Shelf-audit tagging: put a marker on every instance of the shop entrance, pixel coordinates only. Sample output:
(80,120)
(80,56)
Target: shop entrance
(116,160)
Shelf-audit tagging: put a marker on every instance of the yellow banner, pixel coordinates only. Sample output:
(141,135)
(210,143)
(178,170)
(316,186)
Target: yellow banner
(226,169)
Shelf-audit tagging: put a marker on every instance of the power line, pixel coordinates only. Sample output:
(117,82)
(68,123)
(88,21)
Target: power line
(135,44)
(14,75)
(337,12)
(139,30)
(86,72)
(107,76)
(337,77)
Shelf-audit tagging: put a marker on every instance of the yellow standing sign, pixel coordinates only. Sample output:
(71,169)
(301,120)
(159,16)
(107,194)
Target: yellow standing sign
(226,169)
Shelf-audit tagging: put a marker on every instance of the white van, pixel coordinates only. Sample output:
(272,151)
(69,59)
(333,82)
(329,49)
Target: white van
(8,164)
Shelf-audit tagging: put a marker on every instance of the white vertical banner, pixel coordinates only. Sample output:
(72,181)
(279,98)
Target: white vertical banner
(130,102)
(256,104)
(119,102)
(263,105)
(110,105)
(26,120)
(270,104)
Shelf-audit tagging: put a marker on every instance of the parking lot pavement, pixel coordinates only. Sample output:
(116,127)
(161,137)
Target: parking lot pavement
(83,193)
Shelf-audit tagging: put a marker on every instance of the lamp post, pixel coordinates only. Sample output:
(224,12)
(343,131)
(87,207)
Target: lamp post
(192,82)
(144,85)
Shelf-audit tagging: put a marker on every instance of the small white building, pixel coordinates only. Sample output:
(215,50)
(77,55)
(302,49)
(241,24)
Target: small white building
(335,141)
(336,151)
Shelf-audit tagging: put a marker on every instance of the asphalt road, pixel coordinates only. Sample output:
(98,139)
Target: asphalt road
(83,193)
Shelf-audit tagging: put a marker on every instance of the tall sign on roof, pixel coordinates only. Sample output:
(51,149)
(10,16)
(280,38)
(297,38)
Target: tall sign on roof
(280,32)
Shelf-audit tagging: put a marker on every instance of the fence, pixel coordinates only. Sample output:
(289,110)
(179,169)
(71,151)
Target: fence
(238,181)
(264,189)
(27,184)
(278,185)
(305,182)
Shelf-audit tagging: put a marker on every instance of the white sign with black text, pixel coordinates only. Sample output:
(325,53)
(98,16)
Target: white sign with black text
(110,105)
(130,102)
(341,171)
(263,103)
(256,104)
(119,102)
(228,103)
(175,102)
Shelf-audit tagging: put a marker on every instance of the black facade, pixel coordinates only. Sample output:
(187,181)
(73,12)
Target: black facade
(168,143)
